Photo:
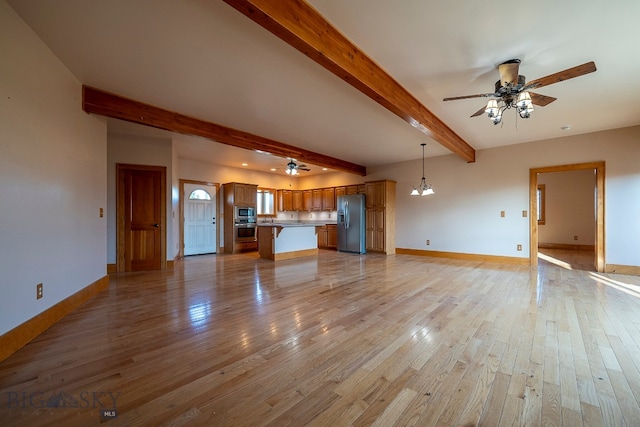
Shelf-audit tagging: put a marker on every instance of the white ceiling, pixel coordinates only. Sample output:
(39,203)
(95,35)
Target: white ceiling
(204,59)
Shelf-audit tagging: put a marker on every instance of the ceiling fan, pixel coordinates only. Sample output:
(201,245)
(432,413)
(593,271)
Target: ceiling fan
(511,91)
(293,167)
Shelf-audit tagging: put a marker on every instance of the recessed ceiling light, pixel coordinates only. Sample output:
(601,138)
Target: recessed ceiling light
(324,169)
(244,164)
(273,169)
(567,127)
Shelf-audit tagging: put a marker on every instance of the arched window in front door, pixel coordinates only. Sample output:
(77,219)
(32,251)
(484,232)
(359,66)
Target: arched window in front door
(199,194)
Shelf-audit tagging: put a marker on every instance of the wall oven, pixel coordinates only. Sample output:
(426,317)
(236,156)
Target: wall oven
(245,232)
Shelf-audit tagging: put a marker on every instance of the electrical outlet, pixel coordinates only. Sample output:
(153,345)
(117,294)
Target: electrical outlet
(39,291)
(524,214)
(575,237)
(502,214)
(101,212)
(428,242)
(519,247)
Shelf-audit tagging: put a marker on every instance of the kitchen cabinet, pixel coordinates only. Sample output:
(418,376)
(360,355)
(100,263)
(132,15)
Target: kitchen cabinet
(237,194)
(352,189)
(327,236)
(375,230)
(321,232)
(375,194)
(328,199)
(285,200)
(297,200)
(241,194)
(332,236)
(380,216)
(307,200)
(316,199)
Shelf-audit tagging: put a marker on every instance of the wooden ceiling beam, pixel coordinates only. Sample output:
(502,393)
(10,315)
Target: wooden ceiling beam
(301,26)
(107,104)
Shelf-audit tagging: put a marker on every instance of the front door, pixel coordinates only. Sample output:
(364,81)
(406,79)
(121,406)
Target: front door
(199,219)
(141,221)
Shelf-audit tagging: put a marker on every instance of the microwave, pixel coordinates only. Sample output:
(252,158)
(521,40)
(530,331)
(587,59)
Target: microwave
(245,214)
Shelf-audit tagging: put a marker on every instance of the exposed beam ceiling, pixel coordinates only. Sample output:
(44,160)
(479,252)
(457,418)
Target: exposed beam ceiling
(301,26)
(110,105)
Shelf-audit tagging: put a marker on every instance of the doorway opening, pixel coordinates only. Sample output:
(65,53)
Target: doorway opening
(199,213)
(535,205)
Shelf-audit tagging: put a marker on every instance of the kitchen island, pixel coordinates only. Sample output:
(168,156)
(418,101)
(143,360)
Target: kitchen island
(286,240)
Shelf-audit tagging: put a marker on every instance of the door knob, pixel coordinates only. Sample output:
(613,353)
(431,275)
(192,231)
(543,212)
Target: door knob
(156,225)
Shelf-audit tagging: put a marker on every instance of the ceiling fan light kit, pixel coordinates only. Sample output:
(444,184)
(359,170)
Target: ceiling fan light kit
(293,168)
(512,91)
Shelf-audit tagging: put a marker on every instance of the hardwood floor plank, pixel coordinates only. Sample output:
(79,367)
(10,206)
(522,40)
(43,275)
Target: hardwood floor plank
(338,339)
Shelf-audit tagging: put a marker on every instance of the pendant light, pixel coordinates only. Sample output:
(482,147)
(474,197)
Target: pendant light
(423,189)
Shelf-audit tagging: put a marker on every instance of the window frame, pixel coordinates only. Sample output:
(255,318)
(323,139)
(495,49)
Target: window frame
(541,195)
(272,193)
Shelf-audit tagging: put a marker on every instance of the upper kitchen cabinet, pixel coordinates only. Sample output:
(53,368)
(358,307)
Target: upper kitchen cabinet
(285,200)
(340,191)
(307,200)
(316,199)
(239,194)
(328,199)
(376,193)
(290,200)
(296,201)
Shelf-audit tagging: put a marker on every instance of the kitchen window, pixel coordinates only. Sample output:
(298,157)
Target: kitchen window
(266,202)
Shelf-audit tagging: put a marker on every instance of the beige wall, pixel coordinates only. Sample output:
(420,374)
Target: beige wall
(52,178)
(464,214)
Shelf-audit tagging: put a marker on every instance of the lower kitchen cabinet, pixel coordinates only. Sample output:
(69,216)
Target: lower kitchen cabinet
(327,236)
(332,236)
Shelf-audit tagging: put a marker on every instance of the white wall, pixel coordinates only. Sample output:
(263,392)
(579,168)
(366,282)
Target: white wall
(569,207)
(464,214)
(52,178)
(137,150)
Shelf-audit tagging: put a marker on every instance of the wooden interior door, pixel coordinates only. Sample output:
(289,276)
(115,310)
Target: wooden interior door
(141,231)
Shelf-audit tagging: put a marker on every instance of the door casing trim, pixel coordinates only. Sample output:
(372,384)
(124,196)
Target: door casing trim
(599,167)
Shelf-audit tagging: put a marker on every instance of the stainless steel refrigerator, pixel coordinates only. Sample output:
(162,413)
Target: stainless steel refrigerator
(351,223)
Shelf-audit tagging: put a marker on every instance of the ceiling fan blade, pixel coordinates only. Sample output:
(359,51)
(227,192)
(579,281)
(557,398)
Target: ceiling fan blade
(480,95)
(479,112)
(567,74)
(541,100)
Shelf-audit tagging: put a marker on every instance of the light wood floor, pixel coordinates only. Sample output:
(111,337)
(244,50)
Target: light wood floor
(341,339)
